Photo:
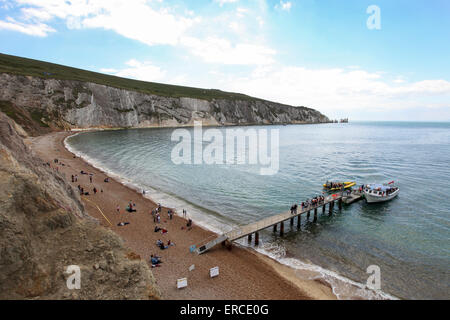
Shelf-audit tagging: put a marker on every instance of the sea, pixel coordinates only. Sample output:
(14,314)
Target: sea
(406,240)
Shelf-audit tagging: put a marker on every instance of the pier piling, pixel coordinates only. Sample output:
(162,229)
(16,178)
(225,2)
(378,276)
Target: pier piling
(250,238)
(340,203)
(275,228)
(256,238)
(281,228)
(292,222)
(315,214)
(299,220)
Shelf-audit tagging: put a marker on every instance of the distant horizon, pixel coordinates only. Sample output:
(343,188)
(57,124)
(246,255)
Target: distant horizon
(352,59)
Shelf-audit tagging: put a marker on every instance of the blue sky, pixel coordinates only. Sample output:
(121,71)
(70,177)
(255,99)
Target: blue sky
(319,54)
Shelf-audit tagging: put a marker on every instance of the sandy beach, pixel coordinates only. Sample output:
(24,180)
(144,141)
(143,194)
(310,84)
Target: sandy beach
(244,273)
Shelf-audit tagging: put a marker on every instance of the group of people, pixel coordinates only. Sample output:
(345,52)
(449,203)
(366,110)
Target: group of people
(313,202)
(163,231)
(294,209)
(155,261)
(156,214)
(57,162)
(308,203)
(160,244)
(388,191)
(334,185)
(131,207)
(83,192)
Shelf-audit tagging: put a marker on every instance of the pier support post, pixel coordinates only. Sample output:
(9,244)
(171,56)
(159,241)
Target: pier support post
(250,238)
(315,214)
(292,222)
(275,228)
(308,214)
(228,244)
(256,238)
(330,208)
(299,220)
(281,228)
(340,204)
(323,208)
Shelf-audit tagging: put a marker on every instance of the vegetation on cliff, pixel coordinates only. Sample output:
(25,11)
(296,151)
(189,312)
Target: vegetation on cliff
(29,67)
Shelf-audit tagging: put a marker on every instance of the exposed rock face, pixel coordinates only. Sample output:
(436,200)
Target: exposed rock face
(44,229)
(74,104)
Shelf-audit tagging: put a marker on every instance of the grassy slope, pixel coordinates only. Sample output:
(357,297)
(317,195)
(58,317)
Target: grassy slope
(24,66)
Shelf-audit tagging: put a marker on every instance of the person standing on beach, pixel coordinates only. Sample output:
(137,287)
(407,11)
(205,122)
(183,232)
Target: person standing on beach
(118,209)
(90,177)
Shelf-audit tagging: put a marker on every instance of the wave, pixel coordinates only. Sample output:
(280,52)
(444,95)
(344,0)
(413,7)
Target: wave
(342,287)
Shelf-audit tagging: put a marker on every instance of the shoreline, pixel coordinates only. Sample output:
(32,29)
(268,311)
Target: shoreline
(280,282)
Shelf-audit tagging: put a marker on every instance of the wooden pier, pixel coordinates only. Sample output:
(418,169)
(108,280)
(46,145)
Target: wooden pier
(273,221)
(354,196)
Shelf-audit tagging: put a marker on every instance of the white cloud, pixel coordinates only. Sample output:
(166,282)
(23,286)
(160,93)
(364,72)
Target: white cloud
(141,23)
(32,29)
(134,19)
(336,90)
(135,69)
(217,50)
(285,6)
(226,38)
(222,2)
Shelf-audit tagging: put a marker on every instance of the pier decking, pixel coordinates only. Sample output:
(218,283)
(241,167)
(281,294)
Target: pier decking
(274,221)
(354,196)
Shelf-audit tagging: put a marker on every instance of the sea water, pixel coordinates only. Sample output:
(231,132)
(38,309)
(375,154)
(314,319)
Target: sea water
(408,238)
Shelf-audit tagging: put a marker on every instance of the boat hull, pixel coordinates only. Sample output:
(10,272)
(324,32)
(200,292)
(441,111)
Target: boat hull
(374,198)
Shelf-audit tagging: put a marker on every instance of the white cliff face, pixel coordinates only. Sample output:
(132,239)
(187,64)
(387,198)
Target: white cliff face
(74,104)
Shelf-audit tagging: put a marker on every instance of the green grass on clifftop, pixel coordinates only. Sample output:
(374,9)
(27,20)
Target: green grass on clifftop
(29,67)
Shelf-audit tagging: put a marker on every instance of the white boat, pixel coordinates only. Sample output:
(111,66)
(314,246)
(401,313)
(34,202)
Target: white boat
(380,192)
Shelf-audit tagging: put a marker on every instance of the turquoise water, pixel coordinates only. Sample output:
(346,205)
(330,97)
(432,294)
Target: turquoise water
(408,237)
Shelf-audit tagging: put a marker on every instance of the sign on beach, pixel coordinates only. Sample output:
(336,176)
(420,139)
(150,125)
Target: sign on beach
(214,272)
(182,283)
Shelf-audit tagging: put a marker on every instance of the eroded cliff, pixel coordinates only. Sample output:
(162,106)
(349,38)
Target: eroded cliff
(44,229)
(64,104)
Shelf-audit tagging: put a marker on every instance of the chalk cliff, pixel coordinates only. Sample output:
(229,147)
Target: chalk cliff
(64,104)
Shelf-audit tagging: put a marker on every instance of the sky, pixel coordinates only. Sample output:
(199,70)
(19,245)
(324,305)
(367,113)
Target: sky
(365,60)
